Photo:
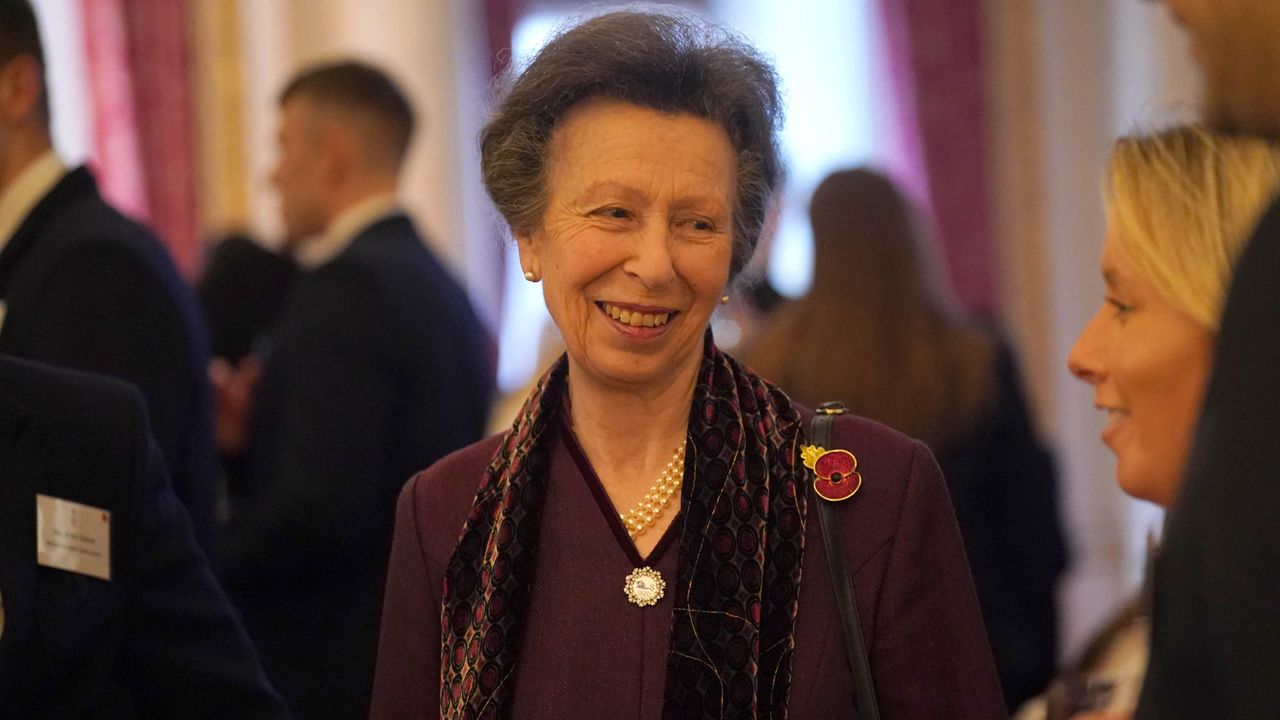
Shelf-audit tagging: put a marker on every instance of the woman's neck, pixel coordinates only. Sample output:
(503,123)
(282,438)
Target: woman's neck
(629,436)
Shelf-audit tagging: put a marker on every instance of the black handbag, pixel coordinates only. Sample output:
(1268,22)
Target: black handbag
(864,689)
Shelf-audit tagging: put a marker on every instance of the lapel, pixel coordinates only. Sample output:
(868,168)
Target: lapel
(21,473)
(76,183)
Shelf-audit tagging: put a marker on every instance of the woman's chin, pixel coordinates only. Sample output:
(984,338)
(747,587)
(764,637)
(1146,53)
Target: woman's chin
(1144,485)
(636,371)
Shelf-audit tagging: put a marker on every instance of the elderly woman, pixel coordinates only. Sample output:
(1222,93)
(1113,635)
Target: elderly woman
(1180,207)
(643,542)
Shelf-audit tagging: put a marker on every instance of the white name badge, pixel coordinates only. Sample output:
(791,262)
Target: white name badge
(73,537)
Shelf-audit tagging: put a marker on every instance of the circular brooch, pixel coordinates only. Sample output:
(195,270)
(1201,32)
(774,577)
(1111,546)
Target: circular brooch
(644,586)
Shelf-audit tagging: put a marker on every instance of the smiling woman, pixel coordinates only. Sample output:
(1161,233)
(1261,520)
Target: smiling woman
(632,547)
(1180,206)
(637,227)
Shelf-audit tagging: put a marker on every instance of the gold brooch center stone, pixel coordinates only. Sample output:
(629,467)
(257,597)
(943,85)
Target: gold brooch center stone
(644,586)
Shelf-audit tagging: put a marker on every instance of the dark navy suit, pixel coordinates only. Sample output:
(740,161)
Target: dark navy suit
(378,368)
(89,289)
(159,638)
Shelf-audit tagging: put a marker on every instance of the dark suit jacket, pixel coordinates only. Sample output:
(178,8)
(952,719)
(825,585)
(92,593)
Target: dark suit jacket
(159,638)
(587,653)
(378,368)
(1216,616)
(90,289)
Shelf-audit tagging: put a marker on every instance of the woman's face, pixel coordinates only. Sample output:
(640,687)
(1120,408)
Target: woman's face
(635,244)
(1148,363)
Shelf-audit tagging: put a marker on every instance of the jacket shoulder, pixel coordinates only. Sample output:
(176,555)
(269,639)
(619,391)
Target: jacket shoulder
(441,495)
(868,440)
(68,397)
(84,426)
(889,464)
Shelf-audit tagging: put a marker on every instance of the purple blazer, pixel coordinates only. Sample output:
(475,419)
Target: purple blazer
(589,653)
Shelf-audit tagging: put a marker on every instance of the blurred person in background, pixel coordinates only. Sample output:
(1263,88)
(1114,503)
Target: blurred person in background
(875,333)
(1215,640)
(378,366)
(108,608)
(1180,207)
(632,546)
(85,287)
(242,289)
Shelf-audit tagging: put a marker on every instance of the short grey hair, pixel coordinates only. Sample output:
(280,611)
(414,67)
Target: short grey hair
(666,61)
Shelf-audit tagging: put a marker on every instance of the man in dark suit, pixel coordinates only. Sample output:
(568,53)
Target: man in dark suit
(85,287)
(378,367)
(1216,617)
(107,607)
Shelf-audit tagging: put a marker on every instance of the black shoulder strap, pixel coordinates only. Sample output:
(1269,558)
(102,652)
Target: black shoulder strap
(841,578)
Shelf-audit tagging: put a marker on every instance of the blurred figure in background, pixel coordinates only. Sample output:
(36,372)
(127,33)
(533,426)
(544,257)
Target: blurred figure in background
(874,333)
(1180,205)
(378,367)
(126,619)
(1215,639)
(242,289)
(85,287)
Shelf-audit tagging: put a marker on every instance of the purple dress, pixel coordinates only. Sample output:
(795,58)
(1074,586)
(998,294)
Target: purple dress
(589,653)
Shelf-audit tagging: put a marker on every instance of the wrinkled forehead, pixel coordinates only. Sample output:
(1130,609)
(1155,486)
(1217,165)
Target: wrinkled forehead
(607,143)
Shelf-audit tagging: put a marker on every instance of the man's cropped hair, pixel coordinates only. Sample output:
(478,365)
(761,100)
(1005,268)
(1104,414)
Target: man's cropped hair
(359,88)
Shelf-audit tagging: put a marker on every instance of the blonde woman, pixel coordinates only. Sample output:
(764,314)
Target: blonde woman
(1180,206)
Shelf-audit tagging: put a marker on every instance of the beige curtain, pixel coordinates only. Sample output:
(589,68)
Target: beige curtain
(217,65)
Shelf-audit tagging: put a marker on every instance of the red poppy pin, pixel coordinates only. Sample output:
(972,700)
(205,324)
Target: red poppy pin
(836,470)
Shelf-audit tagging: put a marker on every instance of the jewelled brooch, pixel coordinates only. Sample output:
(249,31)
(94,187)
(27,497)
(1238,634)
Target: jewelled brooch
(644,586)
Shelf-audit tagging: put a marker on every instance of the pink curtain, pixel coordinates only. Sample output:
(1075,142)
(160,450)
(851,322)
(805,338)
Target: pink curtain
(162,90)
(140,74)
(116,157)
(935,54)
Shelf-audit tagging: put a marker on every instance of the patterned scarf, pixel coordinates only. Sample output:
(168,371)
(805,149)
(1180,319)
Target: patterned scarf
(739,565)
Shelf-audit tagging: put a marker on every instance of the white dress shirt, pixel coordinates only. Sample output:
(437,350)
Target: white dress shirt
(26,190)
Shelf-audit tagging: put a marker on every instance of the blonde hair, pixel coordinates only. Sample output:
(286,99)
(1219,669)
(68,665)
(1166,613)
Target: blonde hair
(1180,206)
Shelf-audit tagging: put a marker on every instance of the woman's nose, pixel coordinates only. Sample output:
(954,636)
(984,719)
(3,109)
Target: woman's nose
(651,262)
(1085,360)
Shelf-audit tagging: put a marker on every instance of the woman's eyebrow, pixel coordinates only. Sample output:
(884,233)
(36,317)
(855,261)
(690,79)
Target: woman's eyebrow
(612,187)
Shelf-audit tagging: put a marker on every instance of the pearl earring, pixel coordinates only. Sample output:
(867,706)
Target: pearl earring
(530,276)
(724,299)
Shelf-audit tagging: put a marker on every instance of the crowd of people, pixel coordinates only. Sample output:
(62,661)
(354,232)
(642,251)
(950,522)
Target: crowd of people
(273,496)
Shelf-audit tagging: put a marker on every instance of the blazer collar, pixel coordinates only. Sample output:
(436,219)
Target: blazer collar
(76,183)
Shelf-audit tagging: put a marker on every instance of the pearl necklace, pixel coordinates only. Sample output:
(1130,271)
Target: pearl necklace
(642,516)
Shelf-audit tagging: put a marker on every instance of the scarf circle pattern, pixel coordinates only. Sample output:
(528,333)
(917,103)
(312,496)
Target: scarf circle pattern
(741,546)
